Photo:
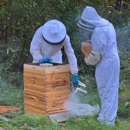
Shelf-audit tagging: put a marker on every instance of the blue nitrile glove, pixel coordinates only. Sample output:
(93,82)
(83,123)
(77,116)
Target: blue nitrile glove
(44,60)
(75,80)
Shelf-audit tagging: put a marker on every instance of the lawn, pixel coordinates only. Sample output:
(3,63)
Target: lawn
(12,96)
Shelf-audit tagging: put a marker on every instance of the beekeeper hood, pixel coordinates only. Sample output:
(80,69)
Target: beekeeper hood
(54,32)
(90,19)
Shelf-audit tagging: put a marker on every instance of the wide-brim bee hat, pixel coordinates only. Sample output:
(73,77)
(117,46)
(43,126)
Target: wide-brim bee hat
(54,32)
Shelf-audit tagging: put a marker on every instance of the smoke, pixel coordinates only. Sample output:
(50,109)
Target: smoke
(123,40)
(76,108)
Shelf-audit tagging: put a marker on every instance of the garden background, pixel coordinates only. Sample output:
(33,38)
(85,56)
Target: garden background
(18,23)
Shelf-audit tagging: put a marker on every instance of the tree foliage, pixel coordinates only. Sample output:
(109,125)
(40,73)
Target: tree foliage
(20,19)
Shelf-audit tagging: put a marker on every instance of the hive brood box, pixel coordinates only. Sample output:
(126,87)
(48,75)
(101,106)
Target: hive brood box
(45,88)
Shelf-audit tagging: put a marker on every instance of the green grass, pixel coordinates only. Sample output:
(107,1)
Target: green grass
(11,96)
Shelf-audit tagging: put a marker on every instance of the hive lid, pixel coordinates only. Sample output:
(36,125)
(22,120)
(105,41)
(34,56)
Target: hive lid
(37,64)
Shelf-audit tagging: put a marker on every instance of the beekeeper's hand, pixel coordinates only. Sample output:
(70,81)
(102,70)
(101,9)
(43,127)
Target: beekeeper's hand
(75,80)
(44,60)
(93,58)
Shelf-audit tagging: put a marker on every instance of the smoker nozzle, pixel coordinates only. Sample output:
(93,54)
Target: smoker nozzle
(79,89)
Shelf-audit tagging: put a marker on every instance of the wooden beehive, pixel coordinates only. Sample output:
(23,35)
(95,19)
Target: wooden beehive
(45,88)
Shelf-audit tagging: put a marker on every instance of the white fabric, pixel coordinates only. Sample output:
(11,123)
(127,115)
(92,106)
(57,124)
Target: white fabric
(90,19)
(40,49)
(35,61)
(93,58)
(54,31)
(103,41)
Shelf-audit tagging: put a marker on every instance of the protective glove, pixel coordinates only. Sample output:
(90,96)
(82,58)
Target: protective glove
(75,80)
(44,60)
(93,58)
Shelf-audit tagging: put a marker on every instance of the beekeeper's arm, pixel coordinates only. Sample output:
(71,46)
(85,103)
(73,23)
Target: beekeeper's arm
(35,47)
(98,42)
(72,60)
(93,58)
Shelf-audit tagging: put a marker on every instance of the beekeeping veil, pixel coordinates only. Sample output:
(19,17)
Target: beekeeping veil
(90,19)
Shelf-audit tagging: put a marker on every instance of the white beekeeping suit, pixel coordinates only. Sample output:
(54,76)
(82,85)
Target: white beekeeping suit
(48,41)
(103,41)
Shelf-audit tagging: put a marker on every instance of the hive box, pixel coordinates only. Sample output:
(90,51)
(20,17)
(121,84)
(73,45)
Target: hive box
(45,88)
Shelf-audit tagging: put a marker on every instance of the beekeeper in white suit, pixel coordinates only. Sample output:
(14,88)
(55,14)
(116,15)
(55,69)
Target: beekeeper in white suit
(105,53)
(47,43)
